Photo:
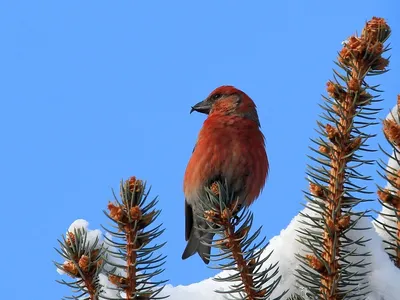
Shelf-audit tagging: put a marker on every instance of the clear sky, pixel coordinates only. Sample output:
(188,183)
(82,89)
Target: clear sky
(95,91)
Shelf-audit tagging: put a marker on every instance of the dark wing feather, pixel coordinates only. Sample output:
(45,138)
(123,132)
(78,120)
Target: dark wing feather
(188,220)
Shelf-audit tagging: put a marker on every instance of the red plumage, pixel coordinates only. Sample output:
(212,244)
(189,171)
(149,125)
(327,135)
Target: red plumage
(230,147)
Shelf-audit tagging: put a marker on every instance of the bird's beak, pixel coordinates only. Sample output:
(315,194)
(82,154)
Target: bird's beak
(202,107)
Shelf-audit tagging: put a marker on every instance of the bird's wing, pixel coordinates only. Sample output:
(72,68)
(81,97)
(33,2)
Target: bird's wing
(188,219)
(189,211)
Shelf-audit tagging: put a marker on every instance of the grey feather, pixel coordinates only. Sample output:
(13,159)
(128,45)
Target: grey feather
(195,236)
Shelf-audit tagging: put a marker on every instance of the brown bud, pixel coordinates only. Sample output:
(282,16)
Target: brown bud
(357,47)
(116,212)
(214,188)
(377,23)
(70,268)
(210,215)
(335,91)
(376,29)
(353,84)
(389,198)
(375,49)
(331,225)
(396,182)
(226,214)
(355,143)
(380,64)
(316,190)
(383,195)
(344,56)
(324,149)
(392,131)
(316,264)
(331,131)
(344,222)
(355,43)
(330,88)
(70,239)
(84,263)
(135,184)
(135,213)
(117,280)
(364,99)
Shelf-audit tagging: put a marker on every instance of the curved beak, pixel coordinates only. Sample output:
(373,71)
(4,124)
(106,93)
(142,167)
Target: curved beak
(202,107)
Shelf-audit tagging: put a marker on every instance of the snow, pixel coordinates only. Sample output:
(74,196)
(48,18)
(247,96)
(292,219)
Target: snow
(385,276)
(92,235)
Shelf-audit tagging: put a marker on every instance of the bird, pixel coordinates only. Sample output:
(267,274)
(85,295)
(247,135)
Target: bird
(230,148)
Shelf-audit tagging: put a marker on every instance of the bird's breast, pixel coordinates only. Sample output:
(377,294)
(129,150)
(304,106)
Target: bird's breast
(229,150)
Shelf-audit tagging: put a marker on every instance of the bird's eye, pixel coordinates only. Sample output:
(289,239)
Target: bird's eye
(216,96)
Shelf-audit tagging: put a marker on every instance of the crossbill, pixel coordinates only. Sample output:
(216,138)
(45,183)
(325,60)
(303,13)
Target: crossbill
(230,148)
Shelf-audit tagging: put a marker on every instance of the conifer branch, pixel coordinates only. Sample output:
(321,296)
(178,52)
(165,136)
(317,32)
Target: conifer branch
(127,257)
(390,196)
(132,217)
(83,262)
(329,271)
(250,279)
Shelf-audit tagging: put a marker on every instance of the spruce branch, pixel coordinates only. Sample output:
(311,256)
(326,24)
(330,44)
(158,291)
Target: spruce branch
(133,235)
(249,277)
(389,197)
(333,269)
(83,262)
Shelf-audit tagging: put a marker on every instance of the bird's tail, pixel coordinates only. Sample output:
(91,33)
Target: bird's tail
(197,239)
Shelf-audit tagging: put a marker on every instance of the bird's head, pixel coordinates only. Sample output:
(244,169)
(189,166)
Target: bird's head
(228,100)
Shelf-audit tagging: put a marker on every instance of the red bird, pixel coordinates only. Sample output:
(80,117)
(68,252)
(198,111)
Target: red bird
(230,147)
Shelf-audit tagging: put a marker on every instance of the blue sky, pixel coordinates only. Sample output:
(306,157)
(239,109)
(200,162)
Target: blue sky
(96,91)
